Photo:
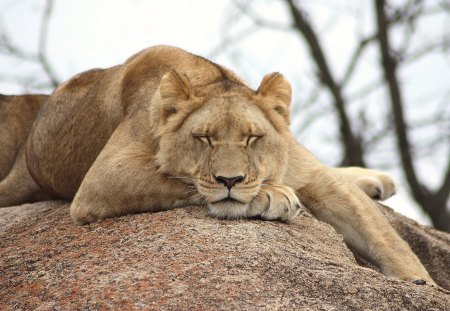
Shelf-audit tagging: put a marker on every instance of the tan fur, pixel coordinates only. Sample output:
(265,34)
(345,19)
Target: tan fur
(168,129)
(17,115)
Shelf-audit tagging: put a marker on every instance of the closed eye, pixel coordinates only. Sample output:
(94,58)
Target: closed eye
(252,138)
(203,138)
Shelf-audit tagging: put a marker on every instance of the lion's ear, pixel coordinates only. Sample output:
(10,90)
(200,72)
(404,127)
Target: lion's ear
(177,95)
(277,90)
(176,92)
(175,86)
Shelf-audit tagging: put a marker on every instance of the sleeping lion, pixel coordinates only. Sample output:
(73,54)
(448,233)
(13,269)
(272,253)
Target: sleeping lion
(169,129)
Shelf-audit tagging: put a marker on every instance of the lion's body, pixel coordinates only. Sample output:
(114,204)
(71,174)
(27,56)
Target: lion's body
(17,115)
(168,129)
(99,100)
(71,131)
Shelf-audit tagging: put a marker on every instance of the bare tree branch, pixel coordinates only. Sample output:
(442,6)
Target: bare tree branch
(257,20)
(389,65)
(364,42)
(43,44)
(433,203)
(312,98)
(445,5)
(355,58)
(311,119)
(405,17)
(366,90)
(352,145)
(444,191)
(426,50)
(232,40)
(375,138)
(9,49)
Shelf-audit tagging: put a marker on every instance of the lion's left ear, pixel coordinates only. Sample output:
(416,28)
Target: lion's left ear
(277,90)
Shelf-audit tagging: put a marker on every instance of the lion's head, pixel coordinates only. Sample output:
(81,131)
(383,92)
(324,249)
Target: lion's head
(225,138)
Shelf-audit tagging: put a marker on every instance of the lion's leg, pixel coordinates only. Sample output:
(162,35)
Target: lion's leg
(364,227)
(18,186)
(124,180)
(376,184)
(353,214)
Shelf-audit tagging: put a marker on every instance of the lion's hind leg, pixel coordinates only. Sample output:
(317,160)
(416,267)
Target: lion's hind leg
(18,186)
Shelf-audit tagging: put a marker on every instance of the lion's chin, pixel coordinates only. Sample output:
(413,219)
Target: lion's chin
(228,209)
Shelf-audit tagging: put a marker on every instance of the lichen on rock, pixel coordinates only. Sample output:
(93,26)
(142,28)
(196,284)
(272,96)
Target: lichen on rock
(184,259)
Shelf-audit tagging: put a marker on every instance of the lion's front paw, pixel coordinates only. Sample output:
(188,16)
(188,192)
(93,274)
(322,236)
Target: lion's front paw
(378,186)
(276,202)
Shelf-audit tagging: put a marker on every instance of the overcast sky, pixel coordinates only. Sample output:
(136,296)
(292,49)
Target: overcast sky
(85,34)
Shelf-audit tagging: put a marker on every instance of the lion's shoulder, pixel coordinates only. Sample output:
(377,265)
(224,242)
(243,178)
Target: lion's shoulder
(82,80)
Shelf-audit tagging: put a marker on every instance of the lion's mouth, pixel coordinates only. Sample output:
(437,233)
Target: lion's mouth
(228,200)
(228,208)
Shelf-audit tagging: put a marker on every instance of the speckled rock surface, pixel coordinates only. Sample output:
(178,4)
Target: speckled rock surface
(185,260)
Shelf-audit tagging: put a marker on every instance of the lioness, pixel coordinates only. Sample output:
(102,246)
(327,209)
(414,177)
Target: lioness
(17,114)
(168,129)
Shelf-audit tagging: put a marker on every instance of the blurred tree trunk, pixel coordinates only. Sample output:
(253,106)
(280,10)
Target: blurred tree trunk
(434,203)
(353,152)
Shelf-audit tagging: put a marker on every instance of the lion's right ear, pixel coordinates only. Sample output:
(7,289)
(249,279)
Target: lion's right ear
(178,98)
(175,86)
(176,91)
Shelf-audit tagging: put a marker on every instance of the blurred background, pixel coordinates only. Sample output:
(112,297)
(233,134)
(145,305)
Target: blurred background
(371,79)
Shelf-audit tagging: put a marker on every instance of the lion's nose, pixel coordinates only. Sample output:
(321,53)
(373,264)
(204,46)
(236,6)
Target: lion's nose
(229,181)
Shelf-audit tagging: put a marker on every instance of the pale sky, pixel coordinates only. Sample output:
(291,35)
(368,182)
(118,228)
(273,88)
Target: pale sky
(85,34)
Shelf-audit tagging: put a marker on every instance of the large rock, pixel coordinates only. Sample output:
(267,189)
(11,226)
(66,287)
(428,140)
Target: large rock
(184,259)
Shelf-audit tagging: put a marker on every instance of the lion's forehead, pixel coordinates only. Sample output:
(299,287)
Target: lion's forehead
(230,117)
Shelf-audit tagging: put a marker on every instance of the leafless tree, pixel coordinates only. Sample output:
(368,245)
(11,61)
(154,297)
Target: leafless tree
(47,79)
(356,143)
(433,202)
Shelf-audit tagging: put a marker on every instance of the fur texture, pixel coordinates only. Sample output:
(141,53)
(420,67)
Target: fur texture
(17,114)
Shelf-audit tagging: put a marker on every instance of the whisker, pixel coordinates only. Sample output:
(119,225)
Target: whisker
(182,177)
(179,177)
(199,198)
(190,191)
(264,177)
